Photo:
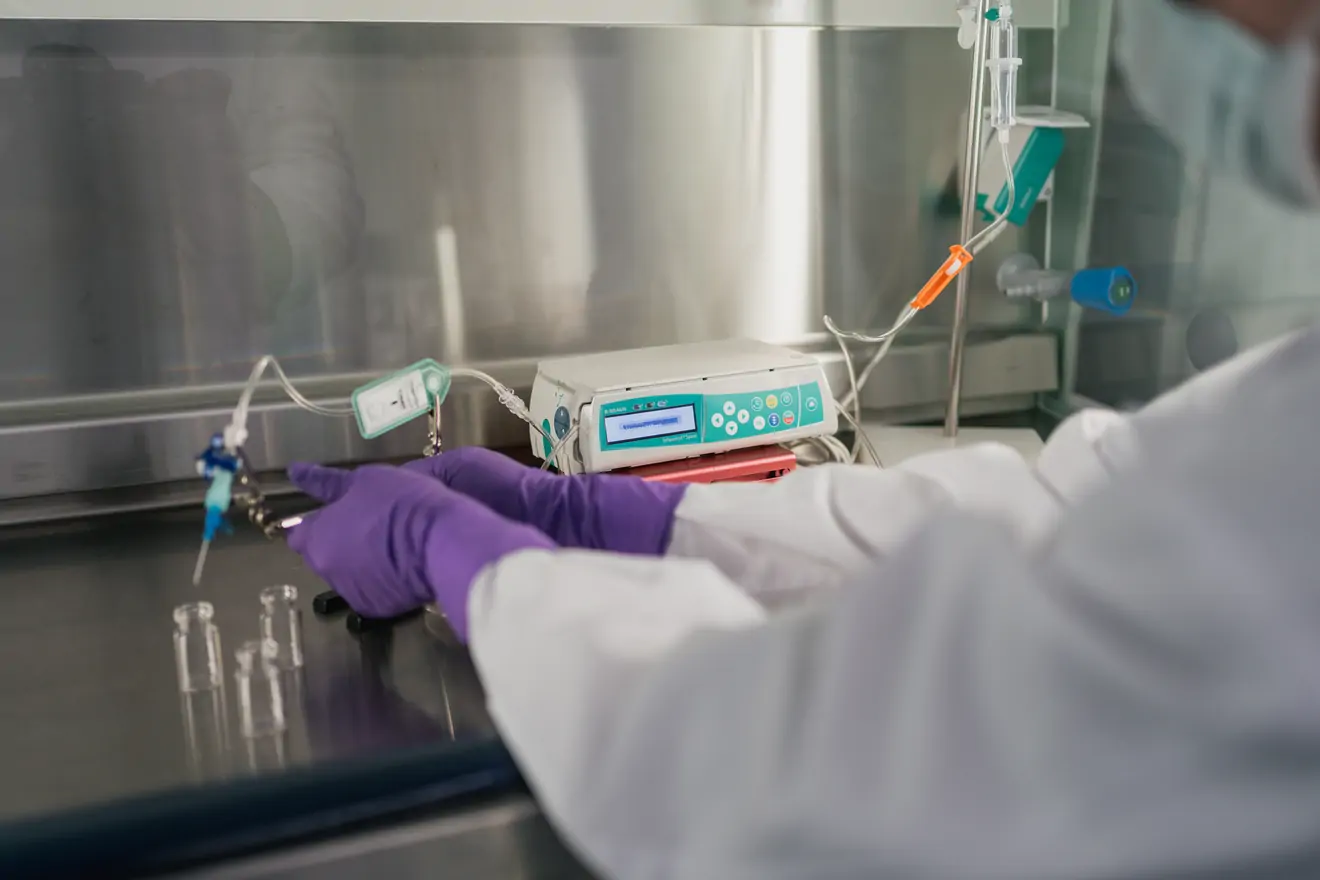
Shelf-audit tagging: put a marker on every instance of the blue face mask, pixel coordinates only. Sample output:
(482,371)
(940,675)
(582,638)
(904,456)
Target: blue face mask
(1223,97)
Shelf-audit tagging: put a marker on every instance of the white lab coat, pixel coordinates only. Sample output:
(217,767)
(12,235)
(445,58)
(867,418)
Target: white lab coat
(1106,666)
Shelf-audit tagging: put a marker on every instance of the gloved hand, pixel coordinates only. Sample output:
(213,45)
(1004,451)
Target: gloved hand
(389,541)
(591,511)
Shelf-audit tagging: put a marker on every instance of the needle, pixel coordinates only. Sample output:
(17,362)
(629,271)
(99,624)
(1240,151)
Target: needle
(201,562)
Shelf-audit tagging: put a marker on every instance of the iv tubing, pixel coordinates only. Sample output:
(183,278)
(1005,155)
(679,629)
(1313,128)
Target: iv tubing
(236,434)
(977,243)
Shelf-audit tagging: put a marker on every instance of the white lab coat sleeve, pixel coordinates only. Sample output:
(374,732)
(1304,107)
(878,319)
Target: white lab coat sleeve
(820,526)
(1133,697)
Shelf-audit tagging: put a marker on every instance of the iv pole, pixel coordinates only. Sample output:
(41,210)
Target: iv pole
(970,183)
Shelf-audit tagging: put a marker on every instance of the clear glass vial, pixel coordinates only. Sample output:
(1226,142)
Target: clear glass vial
(281,623)
(206,734)
(197,647)
(260,696)
(266,753)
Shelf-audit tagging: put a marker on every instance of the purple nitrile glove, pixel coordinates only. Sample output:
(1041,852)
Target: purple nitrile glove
(390,541)
(591,511)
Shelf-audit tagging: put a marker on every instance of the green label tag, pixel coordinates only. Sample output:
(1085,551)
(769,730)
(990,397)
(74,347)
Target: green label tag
(385,404)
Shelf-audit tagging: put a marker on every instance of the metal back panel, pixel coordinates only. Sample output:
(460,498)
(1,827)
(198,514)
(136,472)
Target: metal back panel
(179,198)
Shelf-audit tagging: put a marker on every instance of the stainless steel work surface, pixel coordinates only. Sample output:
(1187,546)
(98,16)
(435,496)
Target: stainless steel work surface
(90,710)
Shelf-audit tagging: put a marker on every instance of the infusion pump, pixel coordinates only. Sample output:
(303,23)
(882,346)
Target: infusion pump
(651,405)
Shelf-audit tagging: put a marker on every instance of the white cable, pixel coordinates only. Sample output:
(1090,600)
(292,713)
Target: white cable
(835,448)
(861,435)
(987,236)
(866,372)
(978,243)
(855,391)
(832,448)
(887,338)
(821,451)
(508,397)
(236,433)
(553,457)
(904,318)
(853,397)
(800,445)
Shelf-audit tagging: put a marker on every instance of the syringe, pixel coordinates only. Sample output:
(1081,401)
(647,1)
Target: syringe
(218,466)
(201,558)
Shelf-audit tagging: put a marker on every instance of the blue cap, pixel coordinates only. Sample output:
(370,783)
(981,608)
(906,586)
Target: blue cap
(1109,290)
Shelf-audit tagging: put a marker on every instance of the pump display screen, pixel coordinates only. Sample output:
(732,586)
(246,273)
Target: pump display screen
(649,424)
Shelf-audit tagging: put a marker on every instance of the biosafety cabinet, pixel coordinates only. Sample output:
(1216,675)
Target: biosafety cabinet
(356,186)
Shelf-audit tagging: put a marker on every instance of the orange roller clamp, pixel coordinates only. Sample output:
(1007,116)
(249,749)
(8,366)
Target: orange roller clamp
(959,259)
